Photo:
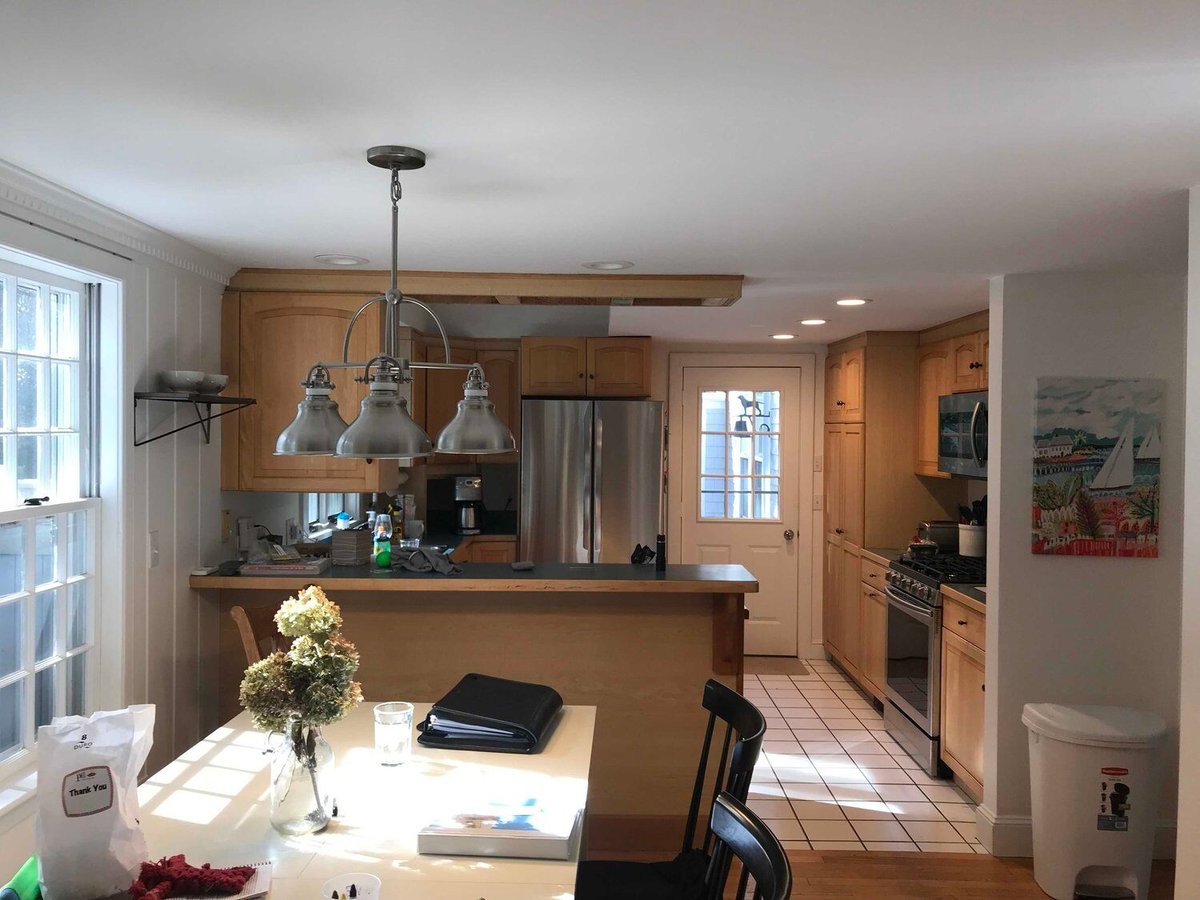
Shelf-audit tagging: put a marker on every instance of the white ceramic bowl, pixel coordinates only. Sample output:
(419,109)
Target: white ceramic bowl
(213,384)
(180,380)
(366,886)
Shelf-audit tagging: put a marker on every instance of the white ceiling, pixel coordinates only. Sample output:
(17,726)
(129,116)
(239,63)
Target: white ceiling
(906,149)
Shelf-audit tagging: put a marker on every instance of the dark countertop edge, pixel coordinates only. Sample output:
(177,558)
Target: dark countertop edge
(970,591)
(500,577)
(891,554)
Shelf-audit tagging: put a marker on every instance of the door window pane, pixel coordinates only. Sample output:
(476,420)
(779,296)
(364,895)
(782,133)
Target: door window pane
(740,441)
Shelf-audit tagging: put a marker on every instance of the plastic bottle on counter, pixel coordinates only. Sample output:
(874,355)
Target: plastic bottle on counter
(381,547)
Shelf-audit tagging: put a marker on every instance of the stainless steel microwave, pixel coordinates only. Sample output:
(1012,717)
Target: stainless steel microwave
(962,434)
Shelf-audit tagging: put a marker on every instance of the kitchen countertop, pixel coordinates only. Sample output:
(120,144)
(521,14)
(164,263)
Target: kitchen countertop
(969,595)
(501,578)
(881,555)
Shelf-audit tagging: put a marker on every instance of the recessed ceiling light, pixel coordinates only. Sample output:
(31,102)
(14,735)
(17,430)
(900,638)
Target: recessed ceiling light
(340,259)
(854,301)
(784,337)
(608,265)
(812,321)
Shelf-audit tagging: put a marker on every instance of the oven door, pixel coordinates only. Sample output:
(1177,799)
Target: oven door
(914,660)
(962,434)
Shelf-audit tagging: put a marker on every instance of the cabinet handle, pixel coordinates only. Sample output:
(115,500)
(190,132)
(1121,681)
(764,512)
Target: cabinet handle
(983,687)
(872,575)
(839,531)
(962,622)
(841,403)
(975,365)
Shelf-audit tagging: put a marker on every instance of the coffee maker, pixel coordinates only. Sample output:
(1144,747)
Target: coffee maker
(468,504)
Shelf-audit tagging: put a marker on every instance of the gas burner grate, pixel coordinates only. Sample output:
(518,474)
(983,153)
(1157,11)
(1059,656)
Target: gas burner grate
(948,568)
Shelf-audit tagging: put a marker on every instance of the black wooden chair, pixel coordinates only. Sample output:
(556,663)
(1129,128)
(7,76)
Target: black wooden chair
(683,877)
(740,833)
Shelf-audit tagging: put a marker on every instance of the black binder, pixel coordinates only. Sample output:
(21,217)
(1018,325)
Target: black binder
(492,714)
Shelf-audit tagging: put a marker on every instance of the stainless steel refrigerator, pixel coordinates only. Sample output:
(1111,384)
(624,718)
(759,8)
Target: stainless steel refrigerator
(591,479)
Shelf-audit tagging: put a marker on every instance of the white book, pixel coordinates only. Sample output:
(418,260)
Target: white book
(524,830)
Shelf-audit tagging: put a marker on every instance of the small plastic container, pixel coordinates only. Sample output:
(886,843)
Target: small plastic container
(972,540)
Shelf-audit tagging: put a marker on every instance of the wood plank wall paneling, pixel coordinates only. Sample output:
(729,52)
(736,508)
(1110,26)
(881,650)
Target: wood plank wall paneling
(172,320)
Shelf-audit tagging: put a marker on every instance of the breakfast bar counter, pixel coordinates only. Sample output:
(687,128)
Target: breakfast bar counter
(635,643)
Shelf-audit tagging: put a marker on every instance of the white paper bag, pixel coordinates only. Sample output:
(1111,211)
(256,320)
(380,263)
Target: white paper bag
(89,839)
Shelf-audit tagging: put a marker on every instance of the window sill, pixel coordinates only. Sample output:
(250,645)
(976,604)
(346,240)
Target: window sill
(16,798)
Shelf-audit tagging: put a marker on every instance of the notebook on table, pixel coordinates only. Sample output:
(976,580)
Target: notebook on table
(482,712)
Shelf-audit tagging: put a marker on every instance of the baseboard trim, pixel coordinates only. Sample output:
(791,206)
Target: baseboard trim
(1013,835)
(658,833)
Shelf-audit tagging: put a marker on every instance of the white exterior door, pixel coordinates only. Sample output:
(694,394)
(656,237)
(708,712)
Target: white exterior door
(739,484)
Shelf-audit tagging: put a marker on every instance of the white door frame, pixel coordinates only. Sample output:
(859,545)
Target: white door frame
(808,628)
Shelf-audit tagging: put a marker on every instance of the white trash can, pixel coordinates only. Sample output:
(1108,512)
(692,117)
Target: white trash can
(1095,780)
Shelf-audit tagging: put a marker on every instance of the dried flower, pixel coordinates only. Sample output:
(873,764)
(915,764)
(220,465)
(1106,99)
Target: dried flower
(312,684)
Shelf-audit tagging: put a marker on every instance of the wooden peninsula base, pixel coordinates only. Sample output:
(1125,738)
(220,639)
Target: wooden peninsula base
(636,644)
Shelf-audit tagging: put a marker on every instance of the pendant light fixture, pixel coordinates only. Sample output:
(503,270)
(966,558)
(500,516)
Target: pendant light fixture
(384,429)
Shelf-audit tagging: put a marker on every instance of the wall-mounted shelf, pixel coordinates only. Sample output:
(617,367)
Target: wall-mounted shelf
(203,419)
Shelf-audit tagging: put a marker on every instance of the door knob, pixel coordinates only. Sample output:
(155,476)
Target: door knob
(789,534)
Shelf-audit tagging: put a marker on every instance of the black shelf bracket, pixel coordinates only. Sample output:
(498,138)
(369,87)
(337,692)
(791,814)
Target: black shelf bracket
(203,418)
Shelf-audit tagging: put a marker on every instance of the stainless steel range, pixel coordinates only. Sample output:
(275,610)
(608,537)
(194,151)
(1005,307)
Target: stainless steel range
(912,714)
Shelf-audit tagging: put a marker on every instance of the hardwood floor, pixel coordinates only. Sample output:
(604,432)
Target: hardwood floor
(838,875)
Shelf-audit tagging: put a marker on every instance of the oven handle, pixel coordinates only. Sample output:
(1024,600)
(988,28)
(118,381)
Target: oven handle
(974,437)
(914,609)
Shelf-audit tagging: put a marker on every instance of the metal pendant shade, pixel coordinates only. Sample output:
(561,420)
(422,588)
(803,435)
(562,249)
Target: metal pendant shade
(384,429)
(318,424)
(476,429)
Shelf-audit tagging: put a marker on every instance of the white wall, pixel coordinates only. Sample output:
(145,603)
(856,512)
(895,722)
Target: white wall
(171,308)
(1187,872)
(1076,630)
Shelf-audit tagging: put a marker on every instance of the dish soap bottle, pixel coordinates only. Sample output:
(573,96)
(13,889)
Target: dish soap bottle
(381,548)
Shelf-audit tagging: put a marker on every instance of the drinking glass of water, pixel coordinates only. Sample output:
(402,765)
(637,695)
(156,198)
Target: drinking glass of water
(393,733)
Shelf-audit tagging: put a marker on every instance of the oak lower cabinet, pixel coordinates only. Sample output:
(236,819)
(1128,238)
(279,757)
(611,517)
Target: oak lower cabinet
(963,691)
(873,626)
(585,367)
(486,548)
(269,341)
(841,609)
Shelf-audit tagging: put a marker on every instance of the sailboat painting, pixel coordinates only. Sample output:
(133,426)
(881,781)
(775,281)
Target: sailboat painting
(1096,450)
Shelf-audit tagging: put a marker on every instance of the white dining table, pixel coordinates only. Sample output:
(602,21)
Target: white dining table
(212,804)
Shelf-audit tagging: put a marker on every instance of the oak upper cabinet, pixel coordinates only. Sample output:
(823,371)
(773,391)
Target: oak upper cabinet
(933,380)
(618,367)
(270,341)
(963,668)
(968,355)
(873,624)
(553,367)
(844,386)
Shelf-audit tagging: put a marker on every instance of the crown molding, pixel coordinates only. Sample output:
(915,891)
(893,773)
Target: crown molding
(45,199)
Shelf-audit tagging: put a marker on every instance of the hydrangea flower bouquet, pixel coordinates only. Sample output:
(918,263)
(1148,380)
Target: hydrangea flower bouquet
(294,694)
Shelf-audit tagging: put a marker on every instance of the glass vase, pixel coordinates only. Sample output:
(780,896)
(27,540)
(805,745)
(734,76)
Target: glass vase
(301,780)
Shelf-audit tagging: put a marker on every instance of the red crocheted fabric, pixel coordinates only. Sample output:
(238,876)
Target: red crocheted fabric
(173,876)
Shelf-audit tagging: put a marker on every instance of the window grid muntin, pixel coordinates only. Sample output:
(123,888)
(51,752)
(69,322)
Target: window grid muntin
(28,670)
(761,505)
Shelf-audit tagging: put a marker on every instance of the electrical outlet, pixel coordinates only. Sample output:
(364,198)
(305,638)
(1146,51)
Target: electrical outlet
(291,532)
(152,550)
(818,464)
(227,532)
(818,502)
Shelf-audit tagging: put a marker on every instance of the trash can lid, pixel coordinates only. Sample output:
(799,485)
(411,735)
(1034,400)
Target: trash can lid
(1101,725)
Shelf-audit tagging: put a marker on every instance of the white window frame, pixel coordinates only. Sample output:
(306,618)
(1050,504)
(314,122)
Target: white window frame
(26,756)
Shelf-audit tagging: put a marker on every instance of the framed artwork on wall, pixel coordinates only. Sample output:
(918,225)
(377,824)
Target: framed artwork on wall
(1096,449)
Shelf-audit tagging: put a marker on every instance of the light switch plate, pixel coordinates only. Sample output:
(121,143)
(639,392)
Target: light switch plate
(818,501)
(152,554)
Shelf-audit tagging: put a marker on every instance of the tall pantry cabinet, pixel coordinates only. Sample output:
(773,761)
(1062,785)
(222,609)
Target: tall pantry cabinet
(872,496)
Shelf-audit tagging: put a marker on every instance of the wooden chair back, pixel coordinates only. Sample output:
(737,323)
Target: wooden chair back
(740,833)
(254,646)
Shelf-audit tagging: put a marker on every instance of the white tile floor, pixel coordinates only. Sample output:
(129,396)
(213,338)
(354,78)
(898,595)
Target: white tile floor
(830,777)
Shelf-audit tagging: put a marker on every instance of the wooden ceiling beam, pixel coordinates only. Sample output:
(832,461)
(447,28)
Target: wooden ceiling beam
(505,288)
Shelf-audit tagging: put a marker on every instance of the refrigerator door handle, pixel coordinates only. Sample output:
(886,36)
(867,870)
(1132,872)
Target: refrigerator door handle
(597,482)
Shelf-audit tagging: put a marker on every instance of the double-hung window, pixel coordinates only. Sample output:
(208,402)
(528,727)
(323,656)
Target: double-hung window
(47,551)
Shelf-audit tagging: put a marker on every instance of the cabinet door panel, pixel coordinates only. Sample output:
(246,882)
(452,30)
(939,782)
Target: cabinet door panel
(282,335)
(833,387)
(849,604)
(874,639)
(852,385)
(618,367)
(443,390)
(834,527)
(852,473)
(983,359)
(933,380)
(962,705)
(494,552)
(966,362)
(830,620)
(554,367)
